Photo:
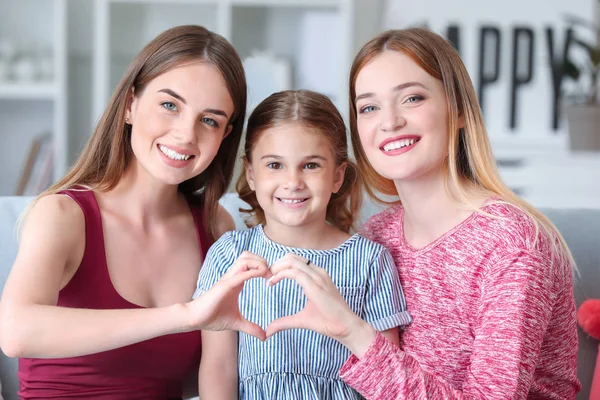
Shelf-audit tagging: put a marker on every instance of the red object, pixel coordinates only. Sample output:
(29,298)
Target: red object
(595,391)
(588,316)
(151,369)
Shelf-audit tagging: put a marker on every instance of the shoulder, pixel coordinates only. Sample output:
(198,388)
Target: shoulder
(383,224)
(224,221)
(514,234)
(369,250)
(233,241)
(54,222)
(57,210)
(509,226)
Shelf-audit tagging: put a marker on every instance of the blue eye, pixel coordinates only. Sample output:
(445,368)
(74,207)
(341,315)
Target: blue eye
(210,121)
(414,99)
(169,106)
(367,109)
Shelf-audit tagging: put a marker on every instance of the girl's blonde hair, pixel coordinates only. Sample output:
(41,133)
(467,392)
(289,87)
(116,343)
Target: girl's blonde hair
(314,111)
(470,162)
(108,153)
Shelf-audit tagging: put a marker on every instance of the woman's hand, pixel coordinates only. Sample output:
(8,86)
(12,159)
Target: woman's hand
(326,312)
(217,309)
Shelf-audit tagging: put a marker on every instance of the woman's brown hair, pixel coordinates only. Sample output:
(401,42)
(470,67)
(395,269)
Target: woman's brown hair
(470,162)
(108,153)
(314,111)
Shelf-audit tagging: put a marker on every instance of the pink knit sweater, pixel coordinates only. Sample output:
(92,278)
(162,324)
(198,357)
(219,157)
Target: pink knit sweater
(493,315)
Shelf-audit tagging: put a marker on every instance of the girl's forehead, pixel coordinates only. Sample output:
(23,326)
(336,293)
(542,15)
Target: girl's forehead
(293,138)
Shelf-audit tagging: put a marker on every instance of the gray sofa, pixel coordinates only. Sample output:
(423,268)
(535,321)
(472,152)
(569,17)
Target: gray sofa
(581,229)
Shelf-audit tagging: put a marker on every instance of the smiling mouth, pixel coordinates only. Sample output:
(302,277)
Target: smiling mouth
(291,201)
(173,155)
(398,144)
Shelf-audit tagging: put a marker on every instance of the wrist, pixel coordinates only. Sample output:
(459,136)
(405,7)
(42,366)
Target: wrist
(361,336)
(181,317)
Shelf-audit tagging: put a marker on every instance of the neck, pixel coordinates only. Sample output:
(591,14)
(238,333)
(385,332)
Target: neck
(142,198)
(430,210)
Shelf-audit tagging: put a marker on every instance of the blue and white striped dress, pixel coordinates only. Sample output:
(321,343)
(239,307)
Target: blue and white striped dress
(298,363)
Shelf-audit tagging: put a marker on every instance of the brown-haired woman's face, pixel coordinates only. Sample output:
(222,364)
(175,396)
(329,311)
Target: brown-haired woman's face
(179,121)
(401,117)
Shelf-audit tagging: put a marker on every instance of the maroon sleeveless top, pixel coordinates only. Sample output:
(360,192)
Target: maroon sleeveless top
(153,369)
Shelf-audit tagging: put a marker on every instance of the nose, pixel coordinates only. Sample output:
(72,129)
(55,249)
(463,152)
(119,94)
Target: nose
(293,179)
(185,132)
(392,120)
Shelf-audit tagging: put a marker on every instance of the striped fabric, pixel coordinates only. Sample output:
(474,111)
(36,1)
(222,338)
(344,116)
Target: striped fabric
(301,364)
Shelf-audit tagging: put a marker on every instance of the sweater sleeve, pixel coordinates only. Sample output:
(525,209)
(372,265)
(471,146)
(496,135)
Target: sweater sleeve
(517,299)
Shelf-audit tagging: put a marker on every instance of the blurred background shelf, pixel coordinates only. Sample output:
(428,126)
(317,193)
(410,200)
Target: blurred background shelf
(31,106)
(285,29)
(91,42)
(28,91)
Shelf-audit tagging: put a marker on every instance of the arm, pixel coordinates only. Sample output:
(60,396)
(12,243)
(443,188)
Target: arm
(218,374)
(516,306)
(50,250)
(31,325)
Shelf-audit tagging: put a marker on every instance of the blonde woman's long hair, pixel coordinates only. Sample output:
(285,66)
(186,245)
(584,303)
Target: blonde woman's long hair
(108,153)
(470,162)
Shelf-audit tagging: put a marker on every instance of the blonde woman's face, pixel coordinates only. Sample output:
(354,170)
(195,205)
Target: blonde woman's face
(179,121)
(401,118)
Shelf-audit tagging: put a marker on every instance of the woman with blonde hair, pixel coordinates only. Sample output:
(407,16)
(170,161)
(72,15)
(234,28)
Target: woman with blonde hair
(98,302)
(487,277)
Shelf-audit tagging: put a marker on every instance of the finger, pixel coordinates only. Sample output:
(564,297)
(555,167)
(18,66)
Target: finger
(250,328)
(295,321)
(242,276)
(251,256)
(244,263)
(292,262)
(300,276)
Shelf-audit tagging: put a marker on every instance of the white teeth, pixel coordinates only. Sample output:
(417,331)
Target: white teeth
(399,144)
(172,154)
(291,201)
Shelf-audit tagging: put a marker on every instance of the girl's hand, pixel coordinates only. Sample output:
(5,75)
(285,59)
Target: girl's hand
(217,309)
(326,312)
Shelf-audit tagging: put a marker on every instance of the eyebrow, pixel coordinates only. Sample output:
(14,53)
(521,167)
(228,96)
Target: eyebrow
(305,158)
(180,98)
(397,88)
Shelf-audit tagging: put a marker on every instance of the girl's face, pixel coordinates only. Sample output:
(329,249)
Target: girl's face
(294,173)
(179,121)
(402,117)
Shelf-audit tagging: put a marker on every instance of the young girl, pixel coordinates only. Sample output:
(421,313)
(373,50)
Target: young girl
(303,193)
(97,302)
(488,278)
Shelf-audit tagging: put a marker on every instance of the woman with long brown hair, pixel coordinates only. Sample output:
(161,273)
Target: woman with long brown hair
(97,305)
(487,277)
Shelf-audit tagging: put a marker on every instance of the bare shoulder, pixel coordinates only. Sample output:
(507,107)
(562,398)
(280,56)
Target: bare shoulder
(225,221)
(55,223)
(57,209)
(51,246)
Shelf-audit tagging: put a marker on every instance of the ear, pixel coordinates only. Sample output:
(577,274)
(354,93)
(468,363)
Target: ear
(338,176)
(461,122)
(249,173)
(228,130)
(131,105)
